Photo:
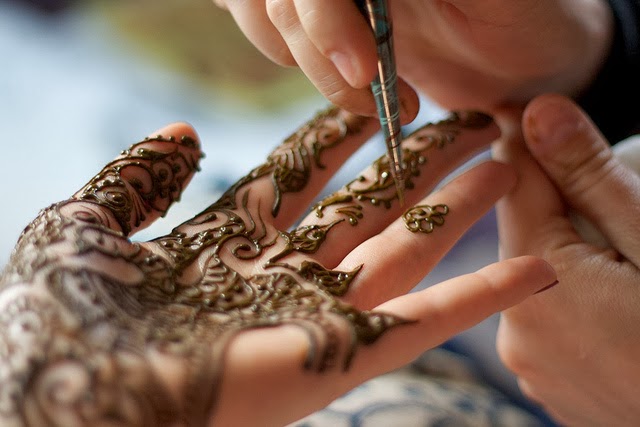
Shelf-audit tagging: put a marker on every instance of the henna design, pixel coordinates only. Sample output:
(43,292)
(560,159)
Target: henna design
(164,171)
(82,307)
(380,191)
(353,212)
(307,239)
(424,218)
(289,165)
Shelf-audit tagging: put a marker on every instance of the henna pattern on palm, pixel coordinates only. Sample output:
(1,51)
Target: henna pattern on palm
(83,307)
(84,310)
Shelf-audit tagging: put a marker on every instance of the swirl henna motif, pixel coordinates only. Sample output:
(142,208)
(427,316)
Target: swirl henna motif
(83,309)
(166,173)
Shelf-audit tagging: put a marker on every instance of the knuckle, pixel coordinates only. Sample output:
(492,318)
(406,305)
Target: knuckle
(280,12)
(341,94)
(582,171)
(282,56)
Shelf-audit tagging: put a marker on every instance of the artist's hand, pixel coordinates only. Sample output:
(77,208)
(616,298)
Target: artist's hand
(462,54)
(234,318)
(575,348)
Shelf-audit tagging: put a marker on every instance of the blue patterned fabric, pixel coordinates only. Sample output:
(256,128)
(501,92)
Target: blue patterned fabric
(439,389)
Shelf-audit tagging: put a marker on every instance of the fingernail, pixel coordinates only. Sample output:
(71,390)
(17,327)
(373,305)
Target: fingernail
(546,288)
(346,66)
(555,122)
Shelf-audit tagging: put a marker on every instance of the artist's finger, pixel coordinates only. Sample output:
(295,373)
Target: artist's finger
(252,19)
(533,216)
(370,203)
(324,74)
(338,30)
(408,256)
(448,308)
(581,164)
(222,4)
(139,185)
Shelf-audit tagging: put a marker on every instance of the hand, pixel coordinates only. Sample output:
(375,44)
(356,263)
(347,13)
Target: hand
(232,316)
(575,348)
(462,54)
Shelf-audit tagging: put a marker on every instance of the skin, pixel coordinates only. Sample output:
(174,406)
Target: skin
(462,54)
(198,326)
(575,347)
(492,55)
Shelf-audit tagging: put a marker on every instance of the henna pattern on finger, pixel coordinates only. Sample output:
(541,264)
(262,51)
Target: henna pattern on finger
(155,177)
(290,164)
(379,190)
(424,218)
(85,313)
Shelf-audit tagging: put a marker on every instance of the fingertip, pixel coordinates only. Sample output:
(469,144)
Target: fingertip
(551,121)
(178,128)
(538,268)
(515,279)
(409,102)
(183,134)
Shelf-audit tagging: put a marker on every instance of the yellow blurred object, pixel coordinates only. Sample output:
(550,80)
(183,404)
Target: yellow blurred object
(203,42)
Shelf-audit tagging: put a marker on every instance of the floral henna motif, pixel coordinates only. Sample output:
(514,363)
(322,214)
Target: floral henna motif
(82,307)
(380,190)
(425,218)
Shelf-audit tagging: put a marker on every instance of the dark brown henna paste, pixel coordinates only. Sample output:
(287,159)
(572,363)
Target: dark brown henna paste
(155,177)
(307,239)
(424,218)
(82,307)
(290,164)
(380,191)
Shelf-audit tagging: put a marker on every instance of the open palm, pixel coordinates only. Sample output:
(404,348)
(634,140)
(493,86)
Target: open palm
(231,316)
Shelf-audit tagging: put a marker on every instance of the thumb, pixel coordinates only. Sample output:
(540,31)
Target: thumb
(577,158)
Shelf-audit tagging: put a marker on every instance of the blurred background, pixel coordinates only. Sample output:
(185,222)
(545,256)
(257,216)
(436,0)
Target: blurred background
(81,80)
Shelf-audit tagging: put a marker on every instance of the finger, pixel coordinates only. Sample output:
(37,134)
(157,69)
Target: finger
(139,185)
(272,196)
(222,4)
(443,310)
(532,217)
(368,204)
(409,256)
(437,313)
(252,19)
(581,164)
(324,74)
(338,31)
(297,170)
